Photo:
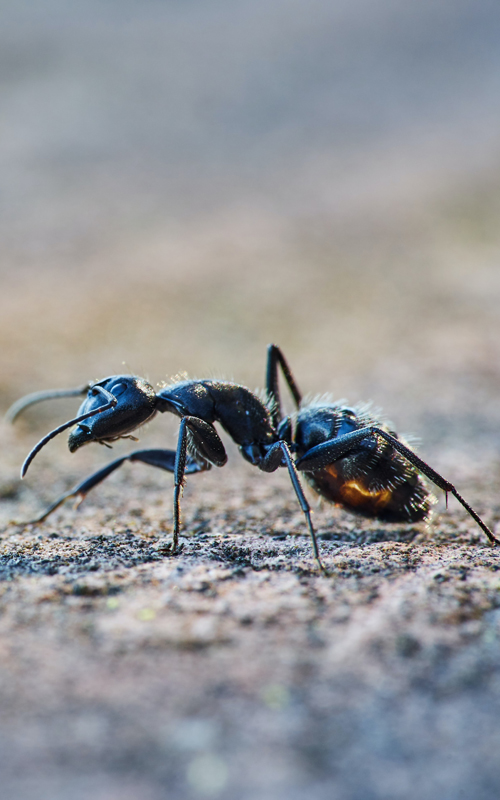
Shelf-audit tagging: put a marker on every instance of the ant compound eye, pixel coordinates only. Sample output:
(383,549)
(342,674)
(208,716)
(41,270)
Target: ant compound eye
(118,389)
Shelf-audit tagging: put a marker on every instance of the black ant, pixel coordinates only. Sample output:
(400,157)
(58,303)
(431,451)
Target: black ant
(346,456)
(116,406)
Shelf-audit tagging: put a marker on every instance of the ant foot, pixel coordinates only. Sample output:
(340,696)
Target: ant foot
(166,548)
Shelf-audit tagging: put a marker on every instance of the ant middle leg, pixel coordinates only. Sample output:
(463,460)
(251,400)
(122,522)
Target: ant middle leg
(273,459)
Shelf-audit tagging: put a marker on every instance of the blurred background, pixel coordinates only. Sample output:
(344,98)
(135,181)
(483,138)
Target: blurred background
(184,182)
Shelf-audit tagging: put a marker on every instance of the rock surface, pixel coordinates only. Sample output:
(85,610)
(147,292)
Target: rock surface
(236,669)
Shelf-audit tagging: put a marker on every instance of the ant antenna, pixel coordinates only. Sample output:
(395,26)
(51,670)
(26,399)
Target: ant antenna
(112,401)
(37,397)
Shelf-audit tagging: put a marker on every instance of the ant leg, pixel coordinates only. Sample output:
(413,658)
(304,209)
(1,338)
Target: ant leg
(436,478)
(271,462)
(275,359)
(208,446)
(164,459)
(326,453)
(36,397)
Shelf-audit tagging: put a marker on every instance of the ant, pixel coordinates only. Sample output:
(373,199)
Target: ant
(118,405)
(347,456)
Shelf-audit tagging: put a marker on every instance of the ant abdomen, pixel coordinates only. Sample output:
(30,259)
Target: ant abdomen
(372,479)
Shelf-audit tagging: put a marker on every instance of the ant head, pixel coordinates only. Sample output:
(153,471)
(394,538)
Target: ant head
(135,405)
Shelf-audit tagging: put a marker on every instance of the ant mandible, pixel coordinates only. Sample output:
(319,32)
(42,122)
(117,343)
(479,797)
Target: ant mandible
(346,456)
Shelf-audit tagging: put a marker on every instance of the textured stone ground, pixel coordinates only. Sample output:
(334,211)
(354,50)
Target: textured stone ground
(236,669)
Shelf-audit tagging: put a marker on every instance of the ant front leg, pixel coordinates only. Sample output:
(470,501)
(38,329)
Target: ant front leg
(273,459)
(328,452)
(163,459)
(275,359)
(208,446)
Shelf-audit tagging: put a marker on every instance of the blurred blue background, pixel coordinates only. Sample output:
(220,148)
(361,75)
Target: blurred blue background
(114,113)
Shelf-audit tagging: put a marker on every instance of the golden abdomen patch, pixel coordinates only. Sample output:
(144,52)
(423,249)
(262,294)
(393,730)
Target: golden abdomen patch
(352,494)
(355,495)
